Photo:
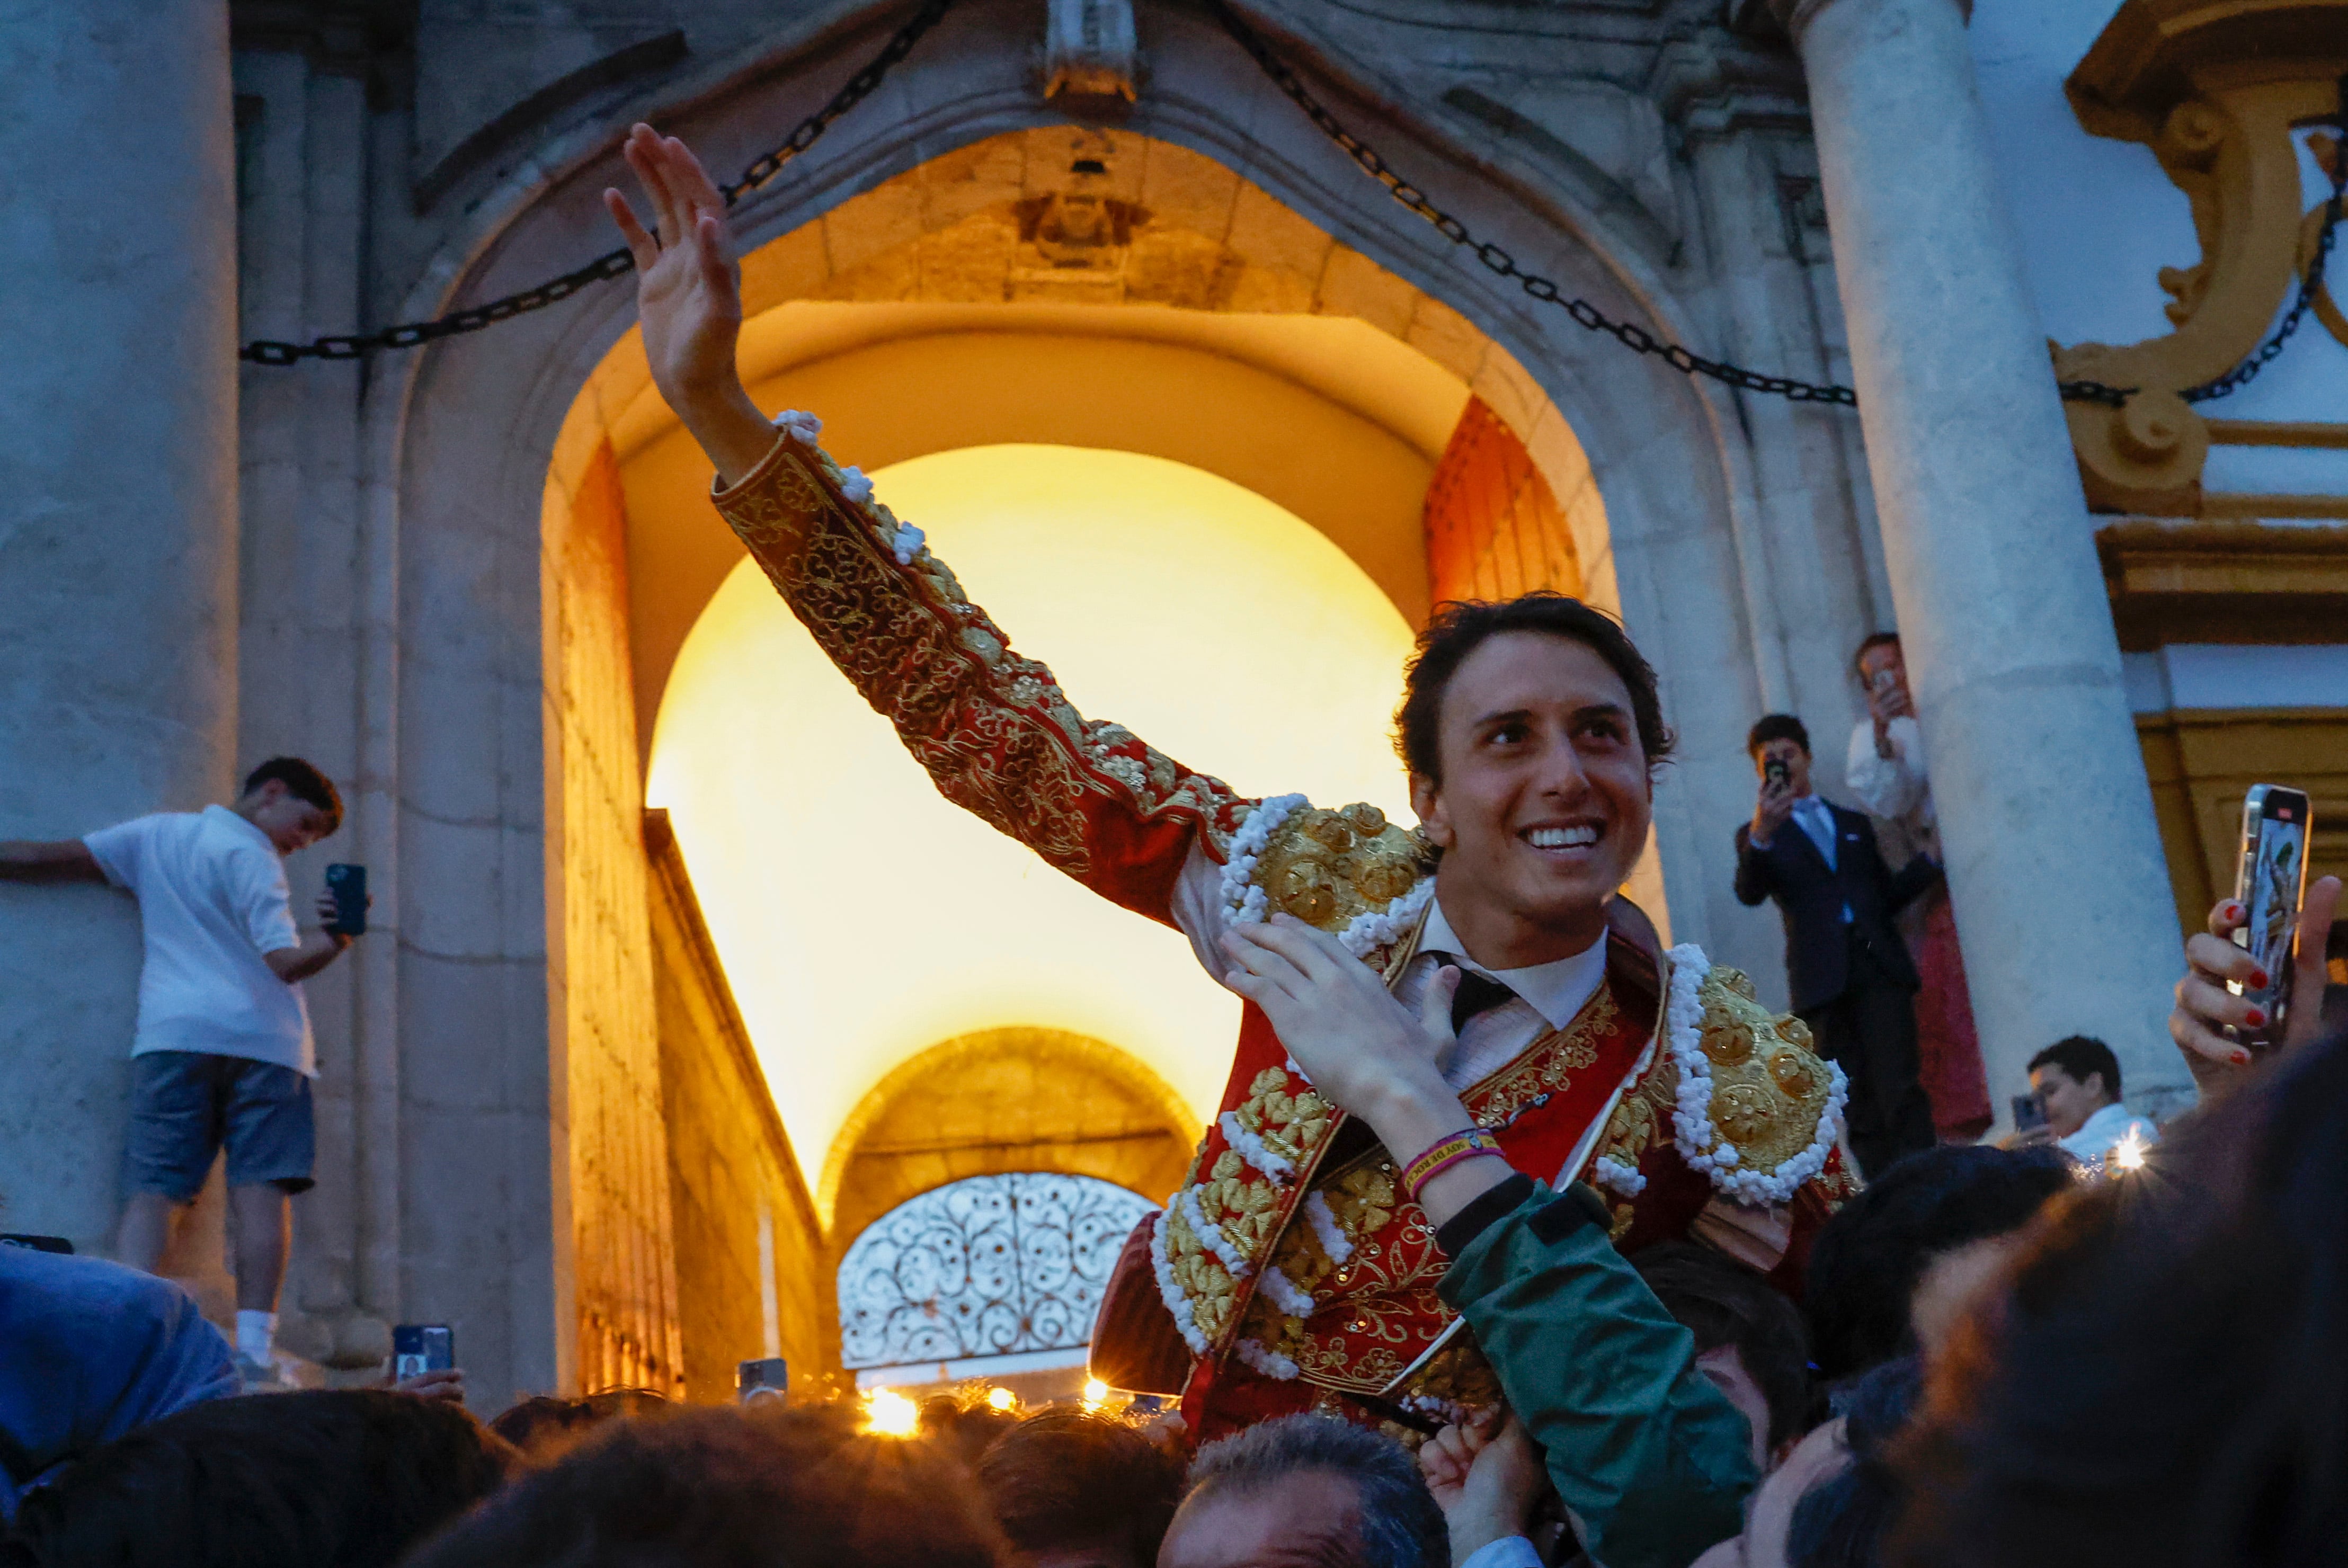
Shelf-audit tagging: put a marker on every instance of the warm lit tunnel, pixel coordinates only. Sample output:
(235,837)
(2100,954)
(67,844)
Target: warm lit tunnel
(862,918)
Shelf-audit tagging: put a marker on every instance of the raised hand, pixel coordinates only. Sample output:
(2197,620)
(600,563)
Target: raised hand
(689,300)
(2205,1009)
(1486,1476)
(1361,1048)
(1345,1028)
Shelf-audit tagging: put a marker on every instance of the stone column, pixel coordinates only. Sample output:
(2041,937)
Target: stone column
(2054,863)
(117,535)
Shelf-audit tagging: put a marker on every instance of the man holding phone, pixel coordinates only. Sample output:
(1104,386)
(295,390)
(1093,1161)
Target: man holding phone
(1852,980)
(223,1053)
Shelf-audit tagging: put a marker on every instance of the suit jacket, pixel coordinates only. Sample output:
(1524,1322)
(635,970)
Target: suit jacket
(1811,896)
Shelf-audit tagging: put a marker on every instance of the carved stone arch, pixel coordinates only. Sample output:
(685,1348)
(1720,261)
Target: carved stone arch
(469,457)
(1005,1100)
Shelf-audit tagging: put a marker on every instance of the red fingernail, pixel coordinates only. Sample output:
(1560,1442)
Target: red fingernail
(2259,978)
(2256,1017)
(2242,1059)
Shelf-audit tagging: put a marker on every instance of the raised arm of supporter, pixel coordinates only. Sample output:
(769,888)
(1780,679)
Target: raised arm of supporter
(1486,1477)
(1885,767)
(1651,1459)
(310,951)
(993,730)
(48,860)
(2205,1009)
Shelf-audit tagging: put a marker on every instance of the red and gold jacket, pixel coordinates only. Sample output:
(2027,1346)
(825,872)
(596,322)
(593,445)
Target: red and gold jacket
(1289,1272)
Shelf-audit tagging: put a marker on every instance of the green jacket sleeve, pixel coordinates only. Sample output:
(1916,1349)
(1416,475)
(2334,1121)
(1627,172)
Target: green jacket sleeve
(1653,1462)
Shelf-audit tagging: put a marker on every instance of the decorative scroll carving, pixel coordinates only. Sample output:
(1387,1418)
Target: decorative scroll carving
(2214,89)
(989,1265)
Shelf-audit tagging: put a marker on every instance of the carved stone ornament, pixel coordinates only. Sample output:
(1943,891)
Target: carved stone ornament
(2215,88)
(1089,54)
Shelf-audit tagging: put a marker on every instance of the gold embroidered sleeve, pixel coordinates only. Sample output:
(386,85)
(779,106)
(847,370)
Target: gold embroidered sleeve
(993,730)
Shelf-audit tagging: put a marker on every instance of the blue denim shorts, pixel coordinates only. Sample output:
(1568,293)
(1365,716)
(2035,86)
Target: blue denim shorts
(184,1105)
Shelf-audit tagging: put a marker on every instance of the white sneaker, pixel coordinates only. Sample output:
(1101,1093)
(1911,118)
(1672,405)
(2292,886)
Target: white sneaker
(260,1376)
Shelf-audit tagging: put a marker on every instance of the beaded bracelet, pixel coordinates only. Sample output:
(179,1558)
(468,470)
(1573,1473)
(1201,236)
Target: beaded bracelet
(1445,1152)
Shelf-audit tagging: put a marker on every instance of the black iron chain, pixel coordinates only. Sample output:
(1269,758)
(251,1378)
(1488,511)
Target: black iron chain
(2311,283)
(1630,335)
(612,263)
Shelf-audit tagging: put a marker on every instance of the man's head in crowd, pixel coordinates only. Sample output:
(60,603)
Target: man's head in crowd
(1750,1340)
(1781,738)
(750,1489)
(1885,1271)
(1532,730)
(1306,1491)
(2074,1078)
(314,1480)
(2159,1379)
(292,801)
(1075,1491)
(543,1427)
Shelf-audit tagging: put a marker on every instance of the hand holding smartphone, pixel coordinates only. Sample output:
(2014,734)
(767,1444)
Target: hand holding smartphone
(420,1347)
(2270,882)
(346,884)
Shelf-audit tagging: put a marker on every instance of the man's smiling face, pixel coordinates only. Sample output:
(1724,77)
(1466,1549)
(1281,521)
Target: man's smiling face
(1544,801)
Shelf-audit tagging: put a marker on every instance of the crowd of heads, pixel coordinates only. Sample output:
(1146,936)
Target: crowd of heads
(1996,1362)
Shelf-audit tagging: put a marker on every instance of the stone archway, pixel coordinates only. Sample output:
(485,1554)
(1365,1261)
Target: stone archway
(1005,1100)
(481,727)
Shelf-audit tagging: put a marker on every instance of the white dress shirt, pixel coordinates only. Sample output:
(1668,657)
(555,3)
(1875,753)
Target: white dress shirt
(1893,786)
(1547,995)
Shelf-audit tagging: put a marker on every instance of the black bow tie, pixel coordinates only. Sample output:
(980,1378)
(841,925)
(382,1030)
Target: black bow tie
(1477,994)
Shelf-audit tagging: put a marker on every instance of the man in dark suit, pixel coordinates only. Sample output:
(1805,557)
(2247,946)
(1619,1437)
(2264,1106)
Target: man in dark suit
(1853,981)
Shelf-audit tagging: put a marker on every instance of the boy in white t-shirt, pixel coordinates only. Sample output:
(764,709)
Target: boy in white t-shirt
(223,1053)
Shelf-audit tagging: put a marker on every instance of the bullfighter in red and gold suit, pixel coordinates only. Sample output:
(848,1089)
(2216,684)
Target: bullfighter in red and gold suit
(1291,1271)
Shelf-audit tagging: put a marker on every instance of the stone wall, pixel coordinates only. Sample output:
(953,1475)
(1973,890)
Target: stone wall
(600,979)
(754,1275)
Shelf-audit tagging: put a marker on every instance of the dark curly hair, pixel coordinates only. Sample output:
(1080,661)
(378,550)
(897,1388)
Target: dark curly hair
(1457,628)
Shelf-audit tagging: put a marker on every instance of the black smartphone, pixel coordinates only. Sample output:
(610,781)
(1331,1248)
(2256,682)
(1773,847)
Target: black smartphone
(1776,772)
(348,884)
(2029,1113)
(2269,879)
(769,1377)
(420,1347)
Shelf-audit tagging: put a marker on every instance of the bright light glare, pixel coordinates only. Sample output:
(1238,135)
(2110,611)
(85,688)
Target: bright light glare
(1002,1398)
(2128,1154)
(1095,1393)
(889,1414)
(862,918)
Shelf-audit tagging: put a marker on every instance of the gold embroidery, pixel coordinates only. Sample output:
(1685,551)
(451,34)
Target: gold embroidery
(1326,867)
(1535,1072)
(1206,1284)
(992,729)
(1290,1125)
(1770,1090)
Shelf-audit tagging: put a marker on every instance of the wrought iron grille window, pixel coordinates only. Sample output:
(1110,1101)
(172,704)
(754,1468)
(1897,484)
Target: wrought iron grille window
(989,1265)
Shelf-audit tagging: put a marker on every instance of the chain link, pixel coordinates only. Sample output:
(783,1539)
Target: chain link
(1630,335)
(612,263)
(2311,284)
(1637,339)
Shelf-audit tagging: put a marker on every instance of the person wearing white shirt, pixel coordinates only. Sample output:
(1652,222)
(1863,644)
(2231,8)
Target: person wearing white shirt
(222,1054)
(1885,768)
(2077,1082)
